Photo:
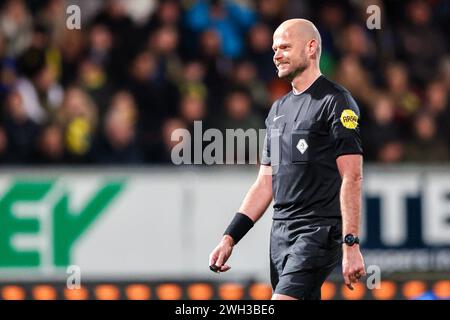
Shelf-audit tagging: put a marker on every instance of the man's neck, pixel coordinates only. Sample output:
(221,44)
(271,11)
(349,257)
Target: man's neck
(304,80)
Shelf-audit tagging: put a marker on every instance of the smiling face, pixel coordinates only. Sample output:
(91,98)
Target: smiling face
(289,56)
(295,46)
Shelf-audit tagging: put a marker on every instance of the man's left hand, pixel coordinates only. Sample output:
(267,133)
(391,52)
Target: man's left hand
(352,265)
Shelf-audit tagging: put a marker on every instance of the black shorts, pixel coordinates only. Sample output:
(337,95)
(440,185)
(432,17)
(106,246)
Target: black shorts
(302,255)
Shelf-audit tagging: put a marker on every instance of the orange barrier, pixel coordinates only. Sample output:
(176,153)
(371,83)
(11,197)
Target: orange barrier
(138,292)
(328,290)
(231,291)
(388,290)
(260,291)
(44,292)
(200,291)
(107,292)
(169,291)
(357,293)
(13,293)
(413,289)
(76,294)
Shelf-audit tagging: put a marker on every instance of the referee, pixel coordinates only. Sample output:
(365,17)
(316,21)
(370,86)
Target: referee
(312,170)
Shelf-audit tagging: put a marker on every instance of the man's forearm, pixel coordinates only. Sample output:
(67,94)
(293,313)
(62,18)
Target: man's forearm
(351,204)
(350,168)
(256,201)
(254,204)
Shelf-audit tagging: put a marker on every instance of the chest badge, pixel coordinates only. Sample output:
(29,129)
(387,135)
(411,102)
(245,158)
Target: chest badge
(302,146)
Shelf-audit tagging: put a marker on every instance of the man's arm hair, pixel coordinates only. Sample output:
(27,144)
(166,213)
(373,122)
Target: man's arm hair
(350,168)
(256,201)
(259,196)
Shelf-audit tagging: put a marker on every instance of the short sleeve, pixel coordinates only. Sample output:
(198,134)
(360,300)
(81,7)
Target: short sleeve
(344,122)
(265,159)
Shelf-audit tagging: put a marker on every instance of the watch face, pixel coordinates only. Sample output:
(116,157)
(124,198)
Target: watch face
(349,239)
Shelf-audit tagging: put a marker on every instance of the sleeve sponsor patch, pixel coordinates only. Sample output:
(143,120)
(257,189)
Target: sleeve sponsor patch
(349,119)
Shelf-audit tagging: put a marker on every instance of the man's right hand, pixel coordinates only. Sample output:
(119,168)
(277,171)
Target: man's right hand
(221,253)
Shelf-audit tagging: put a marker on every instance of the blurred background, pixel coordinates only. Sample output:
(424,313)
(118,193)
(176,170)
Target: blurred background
(87,181)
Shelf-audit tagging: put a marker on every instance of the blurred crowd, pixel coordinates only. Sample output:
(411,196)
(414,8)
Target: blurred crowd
(113,91)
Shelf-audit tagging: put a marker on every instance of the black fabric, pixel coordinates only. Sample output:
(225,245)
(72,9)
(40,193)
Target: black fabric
(239,227)
(302,255)
(305,135)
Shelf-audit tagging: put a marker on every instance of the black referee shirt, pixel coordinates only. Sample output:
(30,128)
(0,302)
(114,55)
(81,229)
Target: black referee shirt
(305,135)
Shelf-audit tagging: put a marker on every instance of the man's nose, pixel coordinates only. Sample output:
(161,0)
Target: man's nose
(277,55)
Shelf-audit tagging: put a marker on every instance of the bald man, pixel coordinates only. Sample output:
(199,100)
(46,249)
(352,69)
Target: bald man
(312,170)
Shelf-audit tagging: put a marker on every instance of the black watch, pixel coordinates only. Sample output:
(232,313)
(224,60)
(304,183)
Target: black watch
(350,239)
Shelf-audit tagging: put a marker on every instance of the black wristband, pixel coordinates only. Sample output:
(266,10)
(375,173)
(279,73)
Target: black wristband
(239,226)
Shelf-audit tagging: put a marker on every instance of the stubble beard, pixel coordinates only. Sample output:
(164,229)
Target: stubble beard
(301,67)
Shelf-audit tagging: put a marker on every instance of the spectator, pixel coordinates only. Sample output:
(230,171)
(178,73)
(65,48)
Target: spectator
(16,26)
(260,51)
(330,26)
(382,134)
(162,152)
(94,81)
(217,67)
(245,75)
(240,115)
(8,76)
(51,18)
(40,91)
(115,17)
(229,19)
(397,80)
(415,38)
(50,149)
(270,12)
(123,102)
(192,108)
(118,143)
(164,44)
(78,118)
(391,152)
(356,43)
(156,100)
(385,42)
(239,111)
(72,48)
(426,145)
(192,80)
(168,13)
(20,131)
(437,104)
(352,75)
(100,45)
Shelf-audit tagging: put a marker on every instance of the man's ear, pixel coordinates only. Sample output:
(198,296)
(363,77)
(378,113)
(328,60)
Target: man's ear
(313,47)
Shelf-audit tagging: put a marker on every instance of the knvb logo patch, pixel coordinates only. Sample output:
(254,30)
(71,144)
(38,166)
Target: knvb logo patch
(302,146)
(38,227)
